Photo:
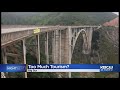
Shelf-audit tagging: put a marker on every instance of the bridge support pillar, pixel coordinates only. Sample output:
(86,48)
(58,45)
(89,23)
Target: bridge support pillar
(70,37)
(56,47)
(38,49)
(66,48)
(24,55)
(60,46)
(46,49)
(53,46)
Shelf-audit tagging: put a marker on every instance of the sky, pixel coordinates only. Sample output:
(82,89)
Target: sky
(116,13)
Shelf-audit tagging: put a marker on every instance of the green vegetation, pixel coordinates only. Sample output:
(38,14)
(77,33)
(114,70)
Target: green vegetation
(108,53)
(56,18)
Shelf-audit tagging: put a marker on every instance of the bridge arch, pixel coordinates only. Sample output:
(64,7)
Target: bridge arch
(75,38)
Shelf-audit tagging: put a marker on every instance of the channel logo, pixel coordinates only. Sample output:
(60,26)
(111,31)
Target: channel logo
(106,68)
(16,68)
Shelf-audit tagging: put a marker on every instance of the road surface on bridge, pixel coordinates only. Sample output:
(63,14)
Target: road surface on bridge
(15,28)
(10,33)
(9,30)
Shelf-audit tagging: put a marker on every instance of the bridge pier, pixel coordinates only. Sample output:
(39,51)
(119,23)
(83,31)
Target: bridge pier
(60,46)
(65,46)
(46,48)
(66,36)
(38,48)
(24,55)
(53,46)
(70,37)
(56,47)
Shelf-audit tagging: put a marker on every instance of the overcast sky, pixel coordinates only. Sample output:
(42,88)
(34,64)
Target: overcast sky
(116,13)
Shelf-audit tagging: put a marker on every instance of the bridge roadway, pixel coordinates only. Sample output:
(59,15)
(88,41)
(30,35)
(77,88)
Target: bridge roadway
(15,28)
(12,33)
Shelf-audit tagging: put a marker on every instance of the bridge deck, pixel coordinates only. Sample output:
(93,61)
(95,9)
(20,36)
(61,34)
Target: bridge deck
(15,28)
(9,30)
(12,33)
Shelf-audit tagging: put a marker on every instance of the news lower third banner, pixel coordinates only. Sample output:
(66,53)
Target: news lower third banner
(59,67)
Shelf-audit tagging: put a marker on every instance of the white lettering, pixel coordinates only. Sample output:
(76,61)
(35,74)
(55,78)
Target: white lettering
(31,66)
(11,68)
(40,66)
(60,66)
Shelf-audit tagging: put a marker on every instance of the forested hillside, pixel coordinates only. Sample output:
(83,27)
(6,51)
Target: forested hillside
(55,18)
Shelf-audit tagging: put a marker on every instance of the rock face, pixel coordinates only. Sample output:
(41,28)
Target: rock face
(114,22)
